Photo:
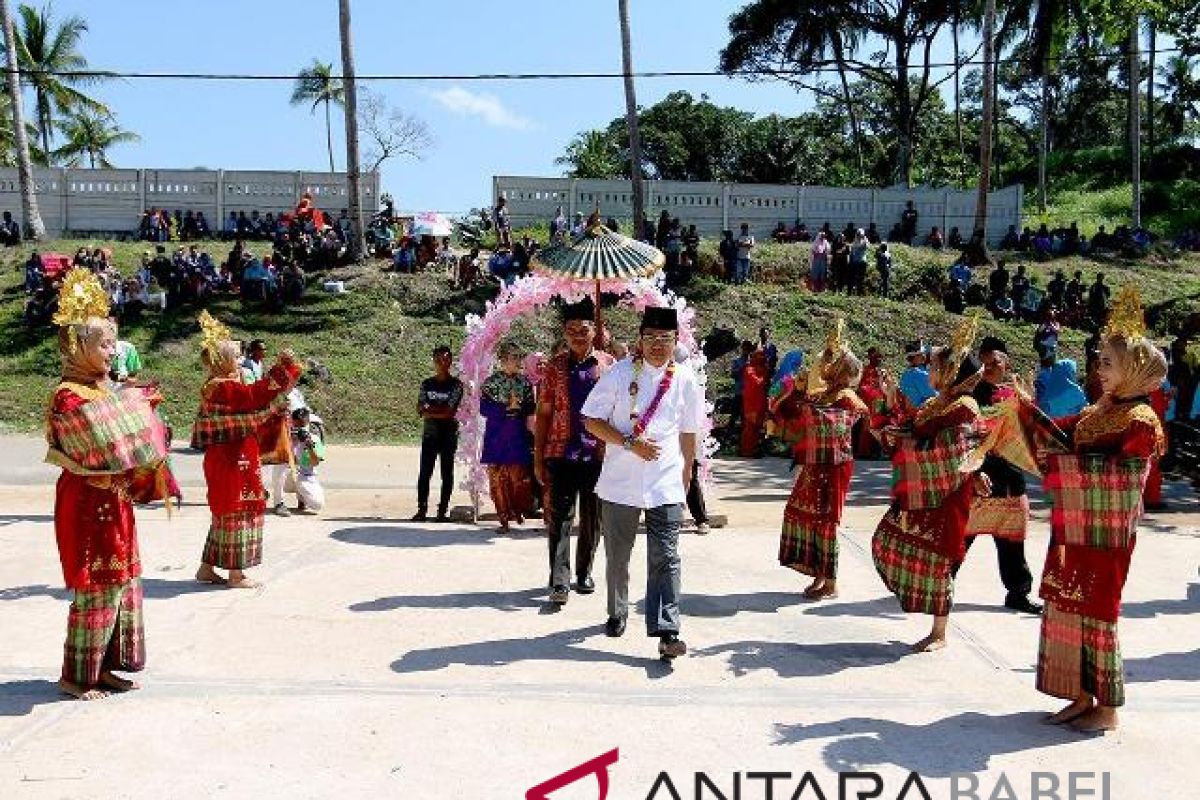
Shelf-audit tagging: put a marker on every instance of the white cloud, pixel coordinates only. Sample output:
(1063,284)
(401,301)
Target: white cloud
(486,107)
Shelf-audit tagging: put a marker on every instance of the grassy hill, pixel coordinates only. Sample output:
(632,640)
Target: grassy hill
(376,339)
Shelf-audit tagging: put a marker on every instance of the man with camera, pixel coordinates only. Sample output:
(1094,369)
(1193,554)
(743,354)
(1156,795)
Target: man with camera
(308,446)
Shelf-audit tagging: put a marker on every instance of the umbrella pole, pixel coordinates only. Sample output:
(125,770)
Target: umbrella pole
(599,319)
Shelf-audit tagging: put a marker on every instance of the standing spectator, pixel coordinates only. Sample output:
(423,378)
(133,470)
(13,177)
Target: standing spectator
(567,456)
(769,349)
(673,250)
(738,372)
(691,254)
(727,250)
(437,403)
(558,227)
(1097,301)
(883,263)
(745,244)
(503,223)
(839,264)
(858,263)
(755,380)
(819,269)
(252,364)
(648,411)
(908,223)
(10,231)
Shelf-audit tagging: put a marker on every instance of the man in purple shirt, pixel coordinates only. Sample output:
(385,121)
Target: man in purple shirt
(565,456)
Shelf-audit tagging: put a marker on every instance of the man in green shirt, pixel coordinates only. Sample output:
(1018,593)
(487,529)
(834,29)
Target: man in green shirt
(308,445)
(127,363)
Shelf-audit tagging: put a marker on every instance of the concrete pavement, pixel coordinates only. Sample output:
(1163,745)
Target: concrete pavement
(385,659)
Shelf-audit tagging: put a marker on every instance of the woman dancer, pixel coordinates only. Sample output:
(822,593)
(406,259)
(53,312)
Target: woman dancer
(825,457)
(1097,494)
(226,430)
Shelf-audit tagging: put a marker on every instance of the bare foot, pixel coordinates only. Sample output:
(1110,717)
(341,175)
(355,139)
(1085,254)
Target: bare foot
(1098,720)
(117,684)
(242,583)
(929,644)
(206,574)
(813,590)
(827,591)
(1070,713)
(80,693)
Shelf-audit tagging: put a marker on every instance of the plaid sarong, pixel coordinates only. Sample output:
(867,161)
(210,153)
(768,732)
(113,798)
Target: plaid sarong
(218,427)
(104,632)
(1097,499)
(808,542)
(235,541)
(921,578)
(1080,654)
(825,435)
(927,471)
(111,434)
(1001,517)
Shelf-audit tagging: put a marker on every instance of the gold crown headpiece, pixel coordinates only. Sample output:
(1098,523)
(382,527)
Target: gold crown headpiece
(1126,318)
(212,333)
(835,342)
(962,341)
(81,297)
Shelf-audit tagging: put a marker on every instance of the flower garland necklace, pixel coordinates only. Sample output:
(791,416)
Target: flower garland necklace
(640,423)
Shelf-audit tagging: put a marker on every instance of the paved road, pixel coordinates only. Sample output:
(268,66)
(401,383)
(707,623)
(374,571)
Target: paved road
(386,659)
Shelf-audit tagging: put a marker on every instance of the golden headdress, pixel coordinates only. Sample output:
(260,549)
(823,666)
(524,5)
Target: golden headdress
(82,297)
(212,333)
(834,352)
(1126,318)
(962,345)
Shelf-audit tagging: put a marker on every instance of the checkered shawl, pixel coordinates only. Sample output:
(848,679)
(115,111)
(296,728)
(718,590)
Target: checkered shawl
(111,434)
(218,427)
(927,471)
(825,435)
(1097,499)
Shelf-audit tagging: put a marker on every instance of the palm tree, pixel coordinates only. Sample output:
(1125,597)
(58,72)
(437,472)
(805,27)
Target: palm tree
(989,114)
(1135,116)
(1048,33)
(49,56)
(1180,84)
(32,217)
(90,135)
(631,119)
(317,85)
(350,93)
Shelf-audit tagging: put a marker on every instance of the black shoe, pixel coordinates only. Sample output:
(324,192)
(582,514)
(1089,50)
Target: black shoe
(559,595)
(420,516)
(615,627)
(585,585)
(441,518)
(670,646)
(1024,604)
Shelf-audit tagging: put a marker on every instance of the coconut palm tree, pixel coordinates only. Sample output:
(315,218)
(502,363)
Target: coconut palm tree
(31,216)
(317,85)
(985,128)
(90,135)
(48,52)
(353,169)
(631,119)
(1182,86)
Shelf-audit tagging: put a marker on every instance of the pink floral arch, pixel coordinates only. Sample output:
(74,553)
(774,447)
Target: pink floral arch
(529,295)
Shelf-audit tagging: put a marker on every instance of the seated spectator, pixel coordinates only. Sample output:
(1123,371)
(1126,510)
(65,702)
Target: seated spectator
(960,273)
(1020,287)
(468,270)
(1045,338)
(1097,301)
(1043,244)
(955,240)
(1011,240)
(202,229)
(230,231)
(10,231)
(955,298)
(446,254)
(255,280)
(35,273)
(292,283)
(1002,307)
(800,233)
(404,258)
(153,296)
(1073,296)
(501,266)
(1056,289)
(998,280)
(83,258)
(895,235)
(1056,387)
(780,233)
(1025,243)
(1103,240)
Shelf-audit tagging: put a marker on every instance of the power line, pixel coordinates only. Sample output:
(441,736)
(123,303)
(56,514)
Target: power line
(551,76)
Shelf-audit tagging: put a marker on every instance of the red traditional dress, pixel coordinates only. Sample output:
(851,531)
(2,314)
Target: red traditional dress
(1160,401)
(826,463)
(871,391)
(755,379)
(1097,496)
(230,414)
(922,536)
(111,449)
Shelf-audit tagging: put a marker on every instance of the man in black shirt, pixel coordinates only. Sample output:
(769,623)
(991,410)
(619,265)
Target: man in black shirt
(1005,513)
(1020,288)
(908,223)
(438,404)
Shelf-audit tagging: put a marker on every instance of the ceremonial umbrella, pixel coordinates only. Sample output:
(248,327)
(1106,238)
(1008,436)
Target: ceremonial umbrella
(599,254)
(430,223)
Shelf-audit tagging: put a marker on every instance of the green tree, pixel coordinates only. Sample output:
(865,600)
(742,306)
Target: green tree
(1181,89)
(50,58)
(90,135)
(316,85)
(593,154)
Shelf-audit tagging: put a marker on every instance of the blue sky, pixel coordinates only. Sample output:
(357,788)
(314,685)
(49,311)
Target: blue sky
(480,128)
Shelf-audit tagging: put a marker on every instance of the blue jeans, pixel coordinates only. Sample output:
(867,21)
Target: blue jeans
(741,271)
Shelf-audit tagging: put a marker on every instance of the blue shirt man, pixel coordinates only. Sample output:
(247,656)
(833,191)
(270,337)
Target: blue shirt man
(914,383)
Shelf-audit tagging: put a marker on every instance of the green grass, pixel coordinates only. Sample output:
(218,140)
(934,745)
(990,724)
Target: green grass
(376,339)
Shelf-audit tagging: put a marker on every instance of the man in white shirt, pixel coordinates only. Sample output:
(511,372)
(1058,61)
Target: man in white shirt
(648,410)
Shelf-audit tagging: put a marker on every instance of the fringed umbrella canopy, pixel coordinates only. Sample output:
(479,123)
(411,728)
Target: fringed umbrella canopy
(600,254)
